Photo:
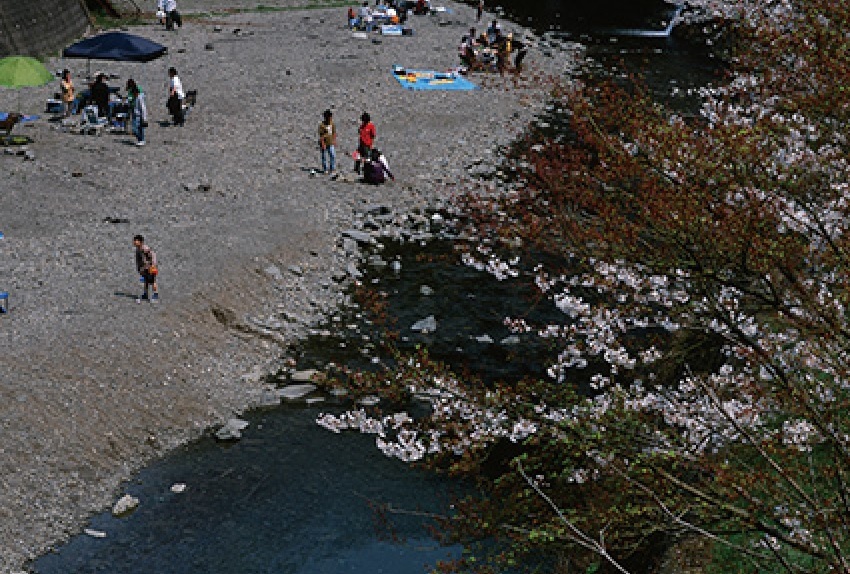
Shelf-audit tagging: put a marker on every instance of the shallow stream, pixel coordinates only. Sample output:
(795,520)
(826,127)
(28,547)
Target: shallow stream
(294,498)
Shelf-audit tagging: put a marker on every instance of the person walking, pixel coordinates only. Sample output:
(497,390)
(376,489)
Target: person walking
(136,102)
(327,142)
(175,97)
(69,95)
(172,16)
(147,268)
(367,135)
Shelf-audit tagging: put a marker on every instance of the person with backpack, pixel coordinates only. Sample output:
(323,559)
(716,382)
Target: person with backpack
(147,268)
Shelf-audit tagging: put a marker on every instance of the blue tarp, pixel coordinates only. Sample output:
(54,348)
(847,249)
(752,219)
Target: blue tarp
(431,80)
(4,115)
(115,46)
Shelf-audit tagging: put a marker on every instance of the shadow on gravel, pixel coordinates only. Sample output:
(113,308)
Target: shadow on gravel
(127,295)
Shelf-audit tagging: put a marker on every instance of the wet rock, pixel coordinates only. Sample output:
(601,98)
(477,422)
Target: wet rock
(426,325)
(125,505)
(304,376)
(232,430)
(295,392)
(359,236)
(369,401)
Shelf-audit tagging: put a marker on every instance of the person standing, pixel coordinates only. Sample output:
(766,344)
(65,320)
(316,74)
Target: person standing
(136,102)
(147,267)
(175,97)
(68,94)
(367,135)
(100,95)
(172,16)
(365,14)
(327,142)
(480,11)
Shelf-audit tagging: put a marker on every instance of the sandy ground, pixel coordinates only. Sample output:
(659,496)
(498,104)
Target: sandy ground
(92,384)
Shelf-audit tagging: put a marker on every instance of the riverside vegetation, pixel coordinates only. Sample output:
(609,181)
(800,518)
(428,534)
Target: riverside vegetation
(702,382)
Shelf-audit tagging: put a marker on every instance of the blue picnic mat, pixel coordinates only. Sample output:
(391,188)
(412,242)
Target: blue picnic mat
(431,80)
(4,115)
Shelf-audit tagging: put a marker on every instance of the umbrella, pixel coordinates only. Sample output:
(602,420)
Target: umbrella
(22,71)
(115,46)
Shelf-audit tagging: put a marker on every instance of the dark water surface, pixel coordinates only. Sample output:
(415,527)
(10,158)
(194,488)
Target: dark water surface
(293,498)
(289,498)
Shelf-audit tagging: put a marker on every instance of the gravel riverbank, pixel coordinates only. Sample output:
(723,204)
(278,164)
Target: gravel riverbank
(93,385)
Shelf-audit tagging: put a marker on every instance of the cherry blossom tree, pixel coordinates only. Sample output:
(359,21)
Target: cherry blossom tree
(702,383)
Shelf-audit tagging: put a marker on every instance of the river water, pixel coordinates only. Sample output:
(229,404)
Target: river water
(293,498)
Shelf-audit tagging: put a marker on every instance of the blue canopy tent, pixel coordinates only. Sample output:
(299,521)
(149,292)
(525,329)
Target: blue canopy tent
(117,46)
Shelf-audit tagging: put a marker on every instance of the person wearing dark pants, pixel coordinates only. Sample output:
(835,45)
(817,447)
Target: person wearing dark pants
(176,95)
(147,268)
(366,139)
(172,16)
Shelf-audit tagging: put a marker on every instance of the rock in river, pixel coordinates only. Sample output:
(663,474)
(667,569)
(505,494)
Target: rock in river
(232,430)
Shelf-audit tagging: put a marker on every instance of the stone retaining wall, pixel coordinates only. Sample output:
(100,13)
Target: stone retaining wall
(40,27)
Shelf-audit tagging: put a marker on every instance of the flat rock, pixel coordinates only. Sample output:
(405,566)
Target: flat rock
(125,505)
(232,430)
(304,376)
(295,392)
(358,236)
(426,325)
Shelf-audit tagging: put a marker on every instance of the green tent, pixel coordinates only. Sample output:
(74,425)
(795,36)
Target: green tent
(22,71)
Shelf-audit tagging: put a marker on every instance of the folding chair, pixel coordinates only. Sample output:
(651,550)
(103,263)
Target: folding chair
(92,123)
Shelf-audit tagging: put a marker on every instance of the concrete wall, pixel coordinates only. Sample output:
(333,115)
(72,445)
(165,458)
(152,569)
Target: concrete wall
(40,27)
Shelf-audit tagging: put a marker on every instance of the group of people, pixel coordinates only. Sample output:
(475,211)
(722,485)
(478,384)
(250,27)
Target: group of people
(136,103)
(368,160)
(98,94)
(495,43)
(364,17)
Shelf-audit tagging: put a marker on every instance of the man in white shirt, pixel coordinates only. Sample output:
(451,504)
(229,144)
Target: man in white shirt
(175,97)
(172,16)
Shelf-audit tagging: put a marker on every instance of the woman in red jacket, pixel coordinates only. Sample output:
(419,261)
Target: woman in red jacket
(367,135)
